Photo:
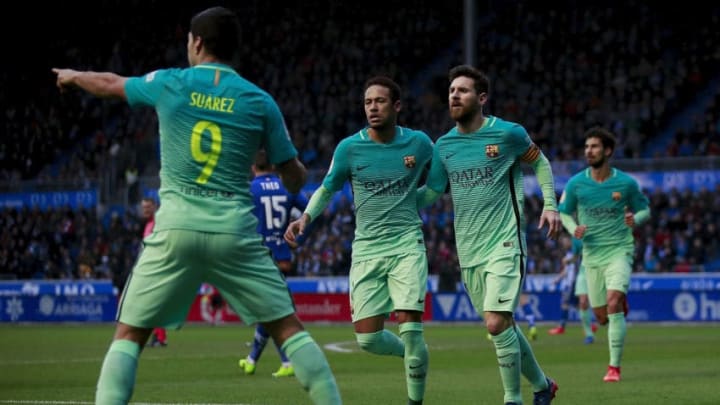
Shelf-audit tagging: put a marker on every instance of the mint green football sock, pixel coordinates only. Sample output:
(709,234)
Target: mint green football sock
(529,366)
(117,376)
(507,349)
(586,320)
(312,369)
(617,329)
(416,359)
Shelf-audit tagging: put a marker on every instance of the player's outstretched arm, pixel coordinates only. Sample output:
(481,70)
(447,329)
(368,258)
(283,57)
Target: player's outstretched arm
(100,84)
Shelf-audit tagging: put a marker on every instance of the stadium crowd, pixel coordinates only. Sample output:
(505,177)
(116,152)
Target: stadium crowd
(629,68)
(557,70)
(682,236)
(703,135)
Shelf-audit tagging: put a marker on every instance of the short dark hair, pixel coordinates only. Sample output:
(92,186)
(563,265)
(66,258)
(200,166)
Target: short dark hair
(220,31)
(482,83)
(606,137)
(395,92)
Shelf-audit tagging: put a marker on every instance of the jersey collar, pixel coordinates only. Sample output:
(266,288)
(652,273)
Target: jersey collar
(364,135)
(588,173)
(216,66)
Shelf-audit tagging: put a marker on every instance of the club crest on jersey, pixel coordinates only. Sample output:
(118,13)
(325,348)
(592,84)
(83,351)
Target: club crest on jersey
(409,161)
(616,195)
(492,151)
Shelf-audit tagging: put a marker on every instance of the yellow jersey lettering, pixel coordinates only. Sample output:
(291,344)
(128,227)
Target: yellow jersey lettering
(194,99)
(228,104)
(212,103)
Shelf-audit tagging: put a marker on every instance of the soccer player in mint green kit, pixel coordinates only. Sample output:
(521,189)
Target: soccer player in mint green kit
(383,163)
(608,203)
(580,294)
(212,122)
(481,159)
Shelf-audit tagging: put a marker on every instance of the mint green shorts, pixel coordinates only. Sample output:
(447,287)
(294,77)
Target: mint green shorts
(392,283)
(174,263)
(495,286)
(612,275)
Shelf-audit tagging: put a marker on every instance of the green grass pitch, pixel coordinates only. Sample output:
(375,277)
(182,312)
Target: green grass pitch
(59,364)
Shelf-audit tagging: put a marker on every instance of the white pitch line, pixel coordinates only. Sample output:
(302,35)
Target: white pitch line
(29,402)
(40,362)
(11,401)
(147,357)
(338,347)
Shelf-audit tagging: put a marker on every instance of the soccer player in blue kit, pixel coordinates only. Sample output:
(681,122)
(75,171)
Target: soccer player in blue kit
(273,208)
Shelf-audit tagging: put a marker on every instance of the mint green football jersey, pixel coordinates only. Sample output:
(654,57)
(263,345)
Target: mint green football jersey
(601,206)
(384,180)
(212,123)
(486,184)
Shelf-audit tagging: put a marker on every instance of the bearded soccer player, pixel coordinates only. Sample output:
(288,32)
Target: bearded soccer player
(608,203)
(481,158)
(384,163)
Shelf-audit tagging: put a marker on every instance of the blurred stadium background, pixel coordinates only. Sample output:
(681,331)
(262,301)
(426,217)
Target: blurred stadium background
(74,168)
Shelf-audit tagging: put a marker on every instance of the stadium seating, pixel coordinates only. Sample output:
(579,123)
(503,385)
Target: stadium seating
(556,70)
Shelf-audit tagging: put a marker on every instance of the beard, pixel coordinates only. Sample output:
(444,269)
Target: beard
(463,115)
(598,163)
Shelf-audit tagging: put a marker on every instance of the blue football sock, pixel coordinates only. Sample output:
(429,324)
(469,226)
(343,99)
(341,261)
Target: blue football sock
(259,342)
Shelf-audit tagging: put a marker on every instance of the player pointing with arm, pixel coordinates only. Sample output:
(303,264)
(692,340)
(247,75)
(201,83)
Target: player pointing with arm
(608,203)
(211,123)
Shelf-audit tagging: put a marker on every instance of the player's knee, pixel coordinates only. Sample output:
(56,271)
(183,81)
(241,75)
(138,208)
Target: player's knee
(601,317)
(284,328)
(370,342)
(497,322)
